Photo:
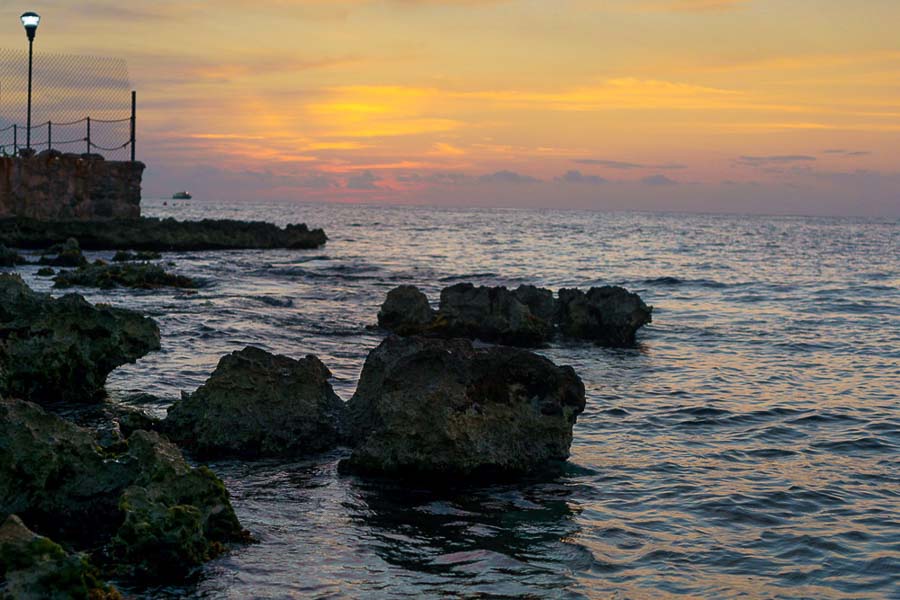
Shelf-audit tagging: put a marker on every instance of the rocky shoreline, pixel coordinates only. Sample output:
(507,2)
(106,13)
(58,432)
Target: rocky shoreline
(117,501)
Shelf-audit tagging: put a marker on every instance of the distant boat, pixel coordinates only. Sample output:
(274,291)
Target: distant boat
(181,196)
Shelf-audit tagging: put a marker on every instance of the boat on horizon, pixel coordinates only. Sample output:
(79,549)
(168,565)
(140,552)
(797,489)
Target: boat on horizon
(182,196)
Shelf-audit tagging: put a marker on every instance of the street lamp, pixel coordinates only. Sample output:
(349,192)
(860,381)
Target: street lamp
(30,21)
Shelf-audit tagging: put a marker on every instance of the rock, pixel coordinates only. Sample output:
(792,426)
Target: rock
(142,276)
(33,567)
(122,256)
(157,516)
(46,272)
(490,314)
(259,404)
(63,349)
(538,300)
(68,254)
(608,315)
(443,408)
(405,311)
(159,235)
(10,258)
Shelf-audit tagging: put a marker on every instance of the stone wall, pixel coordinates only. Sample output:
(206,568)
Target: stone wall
(55,186)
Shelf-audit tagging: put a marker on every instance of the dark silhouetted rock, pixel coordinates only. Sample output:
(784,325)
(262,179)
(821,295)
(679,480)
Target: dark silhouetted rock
(46,272)
(155,515)
(10,258)
(159,235)
(33,567)
(68,254)
(63,349)
(141,276)
(259,404)
(442,408)
(123,256)
(608,315)
(405,311)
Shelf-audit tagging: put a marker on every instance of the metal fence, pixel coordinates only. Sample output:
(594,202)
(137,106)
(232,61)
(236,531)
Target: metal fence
(79,104)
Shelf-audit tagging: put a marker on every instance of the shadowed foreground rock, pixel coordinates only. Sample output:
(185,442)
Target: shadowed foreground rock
(159,235)
(153,514)
(141,276)
(34,568)
(527,316)
(259,404)
(10,258)
(442,408)
(63,349)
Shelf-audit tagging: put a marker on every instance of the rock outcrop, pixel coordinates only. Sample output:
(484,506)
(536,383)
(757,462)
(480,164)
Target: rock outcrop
(67,254)
(33,567)
(153,514)
(442,408)
(158,235)
(10,258)
(527,316)
(63,349)
(405,311)
(259,404)
(140,276)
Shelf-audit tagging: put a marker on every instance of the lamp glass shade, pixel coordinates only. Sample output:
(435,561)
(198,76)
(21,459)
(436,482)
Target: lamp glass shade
(31,20)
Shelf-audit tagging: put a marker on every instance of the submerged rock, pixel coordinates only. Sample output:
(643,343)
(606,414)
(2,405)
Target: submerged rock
(142,276)
(68,254)
(122,256)
(259,404)
(63,349)
(445,408)
(46,272)
(608,315)
(33,567)
(160,235)
(405,311)
(527,316)
(157,516)
(10,258)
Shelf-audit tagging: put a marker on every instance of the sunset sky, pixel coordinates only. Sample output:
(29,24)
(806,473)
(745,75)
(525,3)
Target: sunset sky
(772,106)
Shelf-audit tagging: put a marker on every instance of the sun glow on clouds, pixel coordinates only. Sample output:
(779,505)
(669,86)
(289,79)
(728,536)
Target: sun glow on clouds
(408,99)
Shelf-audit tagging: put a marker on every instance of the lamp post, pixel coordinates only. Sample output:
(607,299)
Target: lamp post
(30,21)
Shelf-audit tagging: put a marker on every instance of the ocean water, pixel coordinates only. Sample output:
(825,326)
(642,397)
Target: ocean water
(749,446)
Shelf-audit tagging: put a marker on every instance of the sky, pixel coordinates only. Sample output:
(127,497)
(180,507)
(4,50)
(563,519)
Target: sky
(743,106)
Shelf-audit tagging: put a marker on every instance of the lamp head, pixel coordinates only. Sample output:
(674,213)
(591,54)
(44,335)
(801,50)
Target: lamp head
(30,21)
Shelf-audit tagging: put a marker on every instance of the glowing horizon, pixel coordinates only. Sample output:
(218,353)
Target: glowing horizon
(718,105)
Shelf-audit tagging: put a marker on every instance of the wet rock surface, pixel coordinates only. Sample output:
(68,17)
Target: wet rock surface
(66,254)
(33,567)
(125,256)
(158,235)
(259,404)
(142,276)
(443,408)
(527,316)
(63,349)
(151,514)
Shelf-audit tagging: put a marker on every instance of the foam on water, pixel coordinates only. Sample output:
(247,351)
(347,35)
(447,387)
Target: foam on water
(748,445)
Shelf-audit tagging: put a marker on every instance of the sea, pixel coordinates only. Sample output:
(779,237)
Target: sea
(747,447)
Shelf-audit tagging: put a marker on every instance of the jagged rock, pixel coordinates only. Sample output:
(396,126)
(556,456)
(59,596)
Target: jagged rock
(33,567)
(46,272)
(608,315)
(527,316)
(442,408)
(160,235)
(63,349)
(490,314)
(259,404)
(10,258)
(405,311)
(158,516)
(122,256)
(142,276)
(68,254)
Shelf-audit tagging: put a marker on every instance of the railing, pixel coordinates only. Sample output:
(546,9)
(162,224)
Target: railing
(14,131)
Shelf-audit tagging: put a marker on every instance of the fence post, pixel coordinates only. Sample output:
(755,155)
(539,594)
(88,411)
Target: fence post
(49,135)
(88,138)
(133,121)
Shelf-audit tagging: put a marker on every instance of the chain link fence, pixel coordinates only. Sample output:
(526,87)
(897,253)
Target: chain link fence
(79,104)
